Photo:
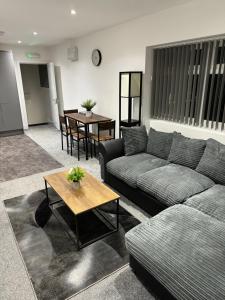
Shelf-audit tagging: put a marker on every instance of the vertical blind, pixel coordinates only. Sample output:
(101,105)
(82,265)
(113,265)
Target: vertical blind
(188,84)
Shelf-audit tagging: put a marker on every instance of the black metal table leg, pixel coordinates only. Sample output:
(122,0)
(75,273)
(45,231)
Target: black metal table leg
(67,144)
(46,190)
(86,140)
(77,233)
(43,211)
(90,142)
(117,214)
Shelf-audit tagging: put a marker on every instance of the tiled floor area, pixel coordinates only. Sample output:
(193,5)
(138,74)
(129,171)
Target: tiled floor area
(14,281)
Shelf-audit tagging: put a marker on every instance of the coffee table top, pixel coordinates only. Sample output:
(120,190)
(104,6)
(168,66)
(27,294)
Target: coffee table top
(91,194)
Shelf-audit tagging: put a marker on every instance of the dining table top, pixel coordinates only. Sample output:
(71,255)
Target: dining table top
(81,117)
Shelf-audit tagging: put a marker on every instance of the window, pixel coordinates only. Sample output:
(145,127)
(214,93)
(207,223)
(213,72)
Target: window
(188,84)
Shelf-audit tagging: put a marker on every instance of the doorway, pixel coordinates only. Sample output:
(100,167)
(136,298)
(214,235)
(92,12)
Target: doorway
(40,93)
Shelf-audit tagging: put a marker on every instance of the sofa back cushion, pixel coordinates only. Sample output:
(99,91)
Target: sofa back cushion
(135,139)
(186,152)
(212,163)
(159,143)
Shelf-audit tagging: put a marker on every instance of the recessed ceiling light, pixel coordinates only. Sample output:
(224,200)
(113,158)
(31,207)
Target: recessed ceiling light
(19,42)
(73,12)
(35,33)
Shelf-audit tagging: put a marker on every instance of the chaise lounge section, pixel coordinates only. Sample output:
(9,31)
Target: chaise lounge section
(183,249)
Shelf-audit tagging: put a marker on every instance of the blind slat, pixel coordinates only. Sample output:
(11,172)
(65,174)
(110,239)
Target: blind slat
(223,119)
(177,79)
(153,85)
(169,79)
(173,77)
(221,85)
(185,82)
(157,74)
(180,84)
(165,82)
(161,58)
(212,82)
(202,69)
(190,83)
(210,51)
(193,94)
(217,85)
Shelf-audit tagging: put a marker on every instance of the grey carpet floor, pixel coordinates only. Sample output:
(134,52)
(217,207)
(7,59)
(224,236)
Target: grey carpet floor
(122,285)
(57,270)
(20,156)
(15,284)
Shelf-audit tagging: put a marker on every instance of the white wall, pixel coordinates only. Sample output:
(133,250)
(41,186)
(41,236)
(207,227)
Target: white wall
(123,48)
(189,131)
(19,55)
(36,97)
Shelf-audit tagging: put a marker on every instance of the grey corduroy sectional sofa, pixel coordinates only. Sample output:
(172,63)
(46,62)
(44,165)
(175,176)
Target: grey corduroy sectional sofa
(180,250)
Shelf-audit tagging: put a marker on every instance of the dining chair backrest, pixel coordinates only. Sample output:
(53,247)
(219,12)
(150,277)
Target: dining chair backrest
(70,111)
(72,124)
(62,119)
(107,125)
(62,122)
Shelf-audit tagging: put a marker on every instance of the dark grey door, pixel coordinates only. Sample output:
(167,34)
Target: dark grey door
(10,113)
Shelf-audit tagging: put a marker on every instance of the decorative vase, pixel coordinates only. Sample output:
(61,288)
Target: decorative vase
(76,185)
(88,113)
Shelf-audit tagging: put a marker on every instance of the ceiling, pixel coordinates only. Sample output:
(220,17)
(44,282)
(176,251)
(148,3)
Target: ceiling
(52,20)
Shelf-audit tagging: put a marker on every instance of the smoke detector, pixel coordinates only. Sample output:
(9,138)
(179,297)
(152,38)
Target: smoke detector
(1,33)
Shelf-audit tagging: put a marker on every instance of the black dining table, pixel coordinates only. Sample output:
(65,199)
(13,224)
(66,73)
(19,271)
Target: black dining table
(93,119)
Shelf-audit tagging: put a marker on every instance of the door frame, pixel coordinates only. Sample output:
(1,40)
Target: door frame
(20,87)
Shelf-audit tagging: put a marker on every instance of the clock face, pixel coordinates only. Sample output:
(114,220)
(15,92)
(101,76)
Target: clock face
(96,57)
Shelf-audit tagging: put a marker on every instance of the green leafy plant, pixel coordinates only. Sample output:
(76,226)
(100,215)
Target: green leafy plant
(88,104)
(75,174)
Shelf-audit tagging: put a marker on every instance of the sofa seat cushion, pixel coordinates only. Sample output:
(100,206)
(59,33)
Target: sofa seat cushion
(211,202)
(128,168)
(173,184)
(183,249)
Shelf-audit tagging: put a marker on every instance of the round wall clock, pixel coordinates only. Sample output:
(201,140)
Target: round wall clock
(96,57)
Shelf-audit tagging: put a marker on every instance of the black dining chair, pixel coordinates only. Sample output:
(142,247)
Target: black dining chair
(105,132)
(70,111)
(64,131)
(76,135)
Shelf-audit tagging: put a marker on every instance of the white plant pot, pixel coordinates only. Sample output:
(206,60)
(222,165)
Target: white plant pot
(88,113)
(76,185)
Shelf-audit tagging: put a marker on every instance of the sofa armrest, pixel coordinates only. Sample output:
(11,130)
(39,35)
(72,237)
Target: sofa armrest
(107,151)
(111,149)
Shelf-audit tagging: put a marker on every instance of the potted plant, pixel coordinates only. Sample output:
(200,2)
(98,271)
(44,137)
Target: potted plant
(88,105)
(75,175)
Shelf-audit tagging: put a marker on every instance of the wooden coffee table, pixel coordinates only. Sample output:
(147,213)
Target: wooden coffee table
(91,195)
